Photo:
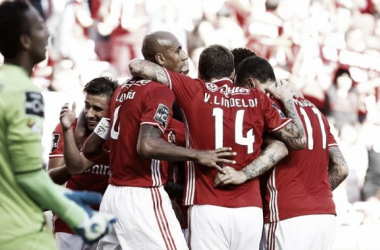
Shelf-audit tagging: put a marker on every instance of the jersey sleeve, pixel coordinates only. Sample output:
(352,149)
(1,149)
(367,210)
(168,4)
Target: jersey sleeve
(184,87)
(331,142)
(157,110)
(274,118)
(57,142)
(24,114)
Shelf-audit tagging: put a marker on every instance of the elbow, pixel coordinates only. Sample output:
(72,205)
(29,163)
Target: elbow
(345,172)
(145,149)
(302,144)
(134,67)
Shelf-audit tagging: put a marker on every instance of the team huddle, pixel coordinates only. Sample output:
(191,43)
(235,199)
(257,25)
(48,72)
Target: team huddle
(258,161)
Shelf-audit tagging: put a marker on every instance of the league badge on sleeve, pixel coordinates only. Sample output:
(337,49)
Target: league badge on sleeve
(162,114)
(34,103)
(55,141)
(283,116)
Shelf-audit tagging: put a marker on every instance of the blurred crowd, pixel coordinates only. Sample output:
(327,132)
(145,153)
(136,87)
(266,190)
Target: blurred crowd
(329,49)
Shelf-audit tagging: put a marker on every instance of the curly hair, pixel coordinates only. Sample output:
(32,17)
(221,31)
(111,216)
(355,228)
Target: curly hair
(240,54)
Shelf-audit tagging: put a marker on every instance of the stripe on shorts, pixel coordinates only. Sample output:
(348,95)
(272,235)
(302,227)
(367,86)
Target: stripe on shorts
(162,220)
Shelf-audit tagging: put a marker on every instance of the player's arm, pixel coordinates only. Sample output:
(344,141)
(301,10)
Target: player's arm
(268,158)
(338,168)
(293,134)
(93,149)
(151,145)
(75,162)
(148,70)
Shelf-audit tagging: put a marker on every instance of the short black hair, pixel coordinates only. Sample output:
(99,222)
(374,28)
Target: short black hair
(240,54)
(255,67)
(13,23)
(216,61)
(101,86)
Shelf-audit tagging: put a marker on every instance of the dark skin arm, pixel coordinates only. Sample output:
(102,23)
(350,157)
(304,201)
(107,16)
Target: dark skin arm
(338,168)
(269,157)
(59,175)
(151,145)
(148,70)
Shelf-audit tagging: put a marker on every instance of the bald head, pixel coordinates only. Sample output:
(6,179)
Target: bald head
(163,48)
(157,42)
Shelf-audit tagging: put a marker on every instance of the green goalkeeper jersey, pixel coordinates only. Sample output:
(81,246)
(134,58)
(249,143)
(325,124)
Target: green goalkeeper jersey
(21,121)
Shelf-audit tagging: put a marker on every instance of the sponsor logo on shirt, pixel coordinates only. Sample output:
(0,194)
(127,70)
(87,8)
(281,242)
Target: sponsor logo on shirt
(54,143)
(34,103)
(227,90)
(162,114)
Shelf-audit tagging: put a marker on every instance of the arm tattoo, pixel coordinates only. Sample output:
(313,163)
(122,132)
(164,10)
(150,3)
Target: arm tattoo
(267,159)
(338,168)
(293,133)
(148,70)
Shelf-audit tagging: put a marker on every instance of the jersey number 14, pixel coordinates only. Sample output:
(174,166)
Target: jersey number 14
(239,138)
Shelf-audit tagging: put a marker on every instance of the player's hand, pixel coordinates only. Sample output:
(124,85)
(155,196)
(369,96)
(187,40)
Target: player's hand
(215,158)
(94,224)
(67,117)
(80,130)
(280,90)
(229,176)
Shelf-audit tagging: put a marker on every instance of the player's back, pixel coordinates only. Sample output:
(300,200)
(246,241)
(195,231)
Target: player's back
(299,184)
(218,114)
(134,104)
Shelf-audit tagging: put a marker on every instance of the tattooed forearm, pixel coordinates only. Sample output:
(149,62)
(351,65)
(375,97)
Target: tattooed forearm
(338,168)
(148,70)
(267,159)
(293,134)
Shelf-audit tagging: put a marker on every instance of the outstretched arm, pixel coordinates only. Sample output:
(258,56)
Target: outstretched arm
(151,145)
(148,70)
(292,134)
(273,153)
(338,168)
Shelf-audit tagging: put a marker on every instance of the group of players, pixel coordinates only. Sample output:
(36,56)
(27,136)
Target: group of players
(234,133)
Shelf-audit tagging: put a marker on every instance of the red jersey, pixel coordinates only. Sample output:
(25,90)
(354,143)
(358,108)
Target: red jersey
(133,104)
(299,184)
(218,114)
(94,179)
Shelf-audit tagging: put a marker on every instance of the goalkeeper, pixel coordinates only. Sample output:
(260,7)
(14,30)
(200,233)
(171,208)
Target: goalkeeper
(25,188)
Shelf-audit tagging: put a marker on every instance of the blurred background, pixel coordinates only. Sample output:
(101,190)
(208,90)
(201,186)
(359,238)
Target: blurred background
(329,49)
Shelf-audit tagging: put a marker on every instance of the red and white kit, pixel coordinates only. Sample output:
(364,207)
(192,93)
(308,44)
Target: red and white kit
(135,194)
(218,114)
(299,187)
(94,179)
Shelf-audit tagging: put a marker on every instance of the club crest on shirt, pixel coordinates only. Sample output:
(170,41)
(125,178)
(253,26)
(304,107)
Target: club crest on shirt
(54,143)
(162,114)
(34,103)
(211,86)
(279,110)
(171,137)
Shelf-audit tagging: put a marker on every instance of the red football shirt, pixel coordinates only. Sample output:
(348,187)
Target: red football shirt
(94,179)
(299,184)
(218,114)
(133,104)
